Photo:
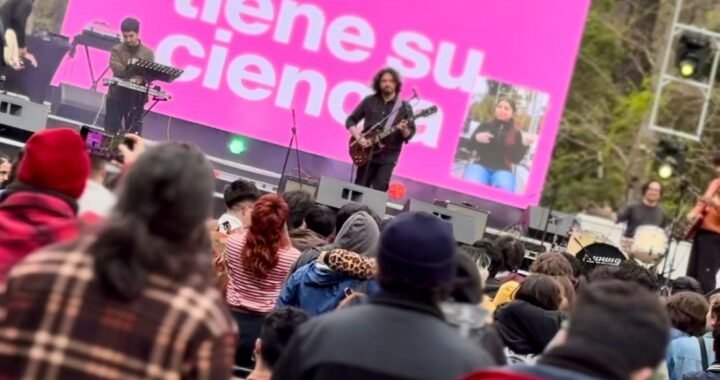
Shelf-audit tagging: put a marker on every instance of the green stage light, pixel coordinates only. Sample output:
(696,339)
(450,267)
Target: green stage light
(237,145)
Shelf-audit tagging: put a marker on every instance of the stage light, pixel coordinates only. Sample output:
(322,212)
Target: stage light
(669,158)
(688,68)
(397,191)
(693,55)
(665,171)
(237,145)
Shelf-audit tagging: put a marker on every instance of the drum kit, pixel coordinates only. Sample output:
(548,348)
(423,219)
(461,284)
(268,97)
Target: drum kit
(647,247)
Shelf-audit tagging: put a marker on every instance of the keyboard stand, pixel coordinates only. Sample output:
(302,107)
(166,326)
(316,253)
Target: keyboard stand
(95,81)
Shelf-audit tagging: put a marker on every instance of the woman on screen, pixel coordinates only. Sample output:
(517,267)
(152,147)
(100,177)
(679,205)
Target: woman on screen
(497,147)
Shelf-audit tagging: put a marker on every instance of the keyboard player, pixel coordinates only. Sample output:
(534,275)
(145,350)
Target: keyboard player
(124,107)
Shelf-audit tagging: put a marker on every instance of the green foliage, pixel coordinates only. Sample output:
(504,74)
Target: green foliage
(603,114)
(605,121)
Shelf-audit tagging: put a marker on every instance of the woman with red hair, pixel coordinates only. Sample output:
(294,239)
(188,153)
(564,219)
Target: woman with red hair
(258,262)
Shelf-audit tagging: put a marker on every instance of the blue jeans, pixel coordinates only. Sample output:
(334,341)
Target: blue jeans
(501,179)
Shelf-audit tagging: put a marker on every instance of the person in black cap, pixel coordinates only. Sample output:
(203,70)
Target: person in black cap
(401,333)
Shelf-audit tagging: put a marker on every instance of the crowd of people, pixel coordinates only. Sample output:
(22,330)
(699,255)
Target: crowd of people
(130,276)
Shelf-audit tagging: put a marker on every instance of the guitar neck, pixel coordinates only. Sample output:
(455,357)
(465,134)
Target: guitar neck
(387,132)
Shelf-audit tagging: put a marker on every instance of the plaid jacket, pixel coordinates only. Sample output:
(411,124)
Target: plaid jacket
(57,323)
(32,220)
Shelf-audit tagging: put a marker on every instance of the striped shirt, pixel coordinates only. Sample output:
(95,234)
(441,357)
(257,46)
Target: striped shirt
(246,290)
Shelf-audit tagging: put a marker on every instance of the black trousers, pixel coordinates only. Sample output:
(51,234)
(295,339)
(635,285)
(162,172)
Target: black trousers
(375,175)
(249,325)
(704,260)
(124,111)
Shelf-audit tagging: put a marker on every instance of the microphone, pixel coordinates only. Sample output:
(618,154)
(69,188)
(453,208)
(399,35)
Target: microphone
(415,94)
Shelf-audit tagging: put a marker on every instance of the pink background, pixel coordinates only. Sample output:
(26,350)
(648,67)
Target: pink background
(527,43)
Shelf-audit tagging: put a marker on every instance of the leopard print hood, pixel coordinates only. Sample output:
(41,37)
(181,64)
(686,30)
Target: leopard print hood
(360,233)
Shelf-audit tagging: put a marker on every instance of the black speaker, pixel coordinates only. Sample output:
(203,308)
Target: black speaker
(336,193)
(467,228)
(291,183)
(20,118)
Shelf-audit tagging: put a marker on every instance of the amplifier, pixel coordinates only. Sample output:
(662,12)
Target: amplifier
(20,118)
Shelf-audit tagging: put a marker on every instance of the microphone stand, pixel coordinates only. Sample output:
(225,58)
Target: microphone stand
(293,140)
(683,186)
(549,216)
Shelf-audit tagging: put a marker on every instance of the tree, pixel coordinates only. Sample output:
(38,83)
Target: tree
(604,147)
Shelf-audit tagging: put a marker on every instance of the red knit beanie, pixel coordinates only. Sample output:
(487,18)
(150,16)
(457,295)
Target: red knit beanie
(56,159)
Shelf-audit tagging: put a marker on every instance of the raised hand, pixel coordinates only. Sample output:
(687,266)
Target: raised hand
(484,137)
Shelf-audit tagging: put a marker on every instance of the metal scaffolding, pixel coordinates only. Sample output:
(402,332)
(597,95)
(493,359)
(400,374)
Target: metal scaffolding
(667,76)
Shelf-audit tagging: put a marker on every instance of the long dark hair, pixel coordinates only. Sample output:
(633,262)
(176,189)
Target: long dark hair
(510,135)
(265,235)
(158,224)
(388,70)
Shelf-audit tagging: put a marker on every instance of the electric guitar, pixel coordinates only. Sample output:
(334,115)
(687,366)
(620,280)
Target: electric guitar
(361,155)
(697,222)
(11,51)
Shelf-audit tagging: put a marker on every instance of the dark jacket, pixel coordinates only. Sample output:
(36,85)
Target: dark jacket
(504,150)
(388,339)
(303,239)
(374,109)
(712,373)
(525,328)
(14,15)
(359,233)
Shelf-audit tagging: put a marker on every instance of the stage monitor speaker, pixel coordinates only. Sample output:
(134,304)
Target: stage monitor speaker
(336,193)
(473,212)
(80,104)
(20,118)
(291,183)
(557,223)
(467,228)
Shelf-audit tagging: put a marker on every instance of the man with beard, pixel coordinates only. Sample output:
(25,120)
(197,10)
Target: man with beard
(384,107)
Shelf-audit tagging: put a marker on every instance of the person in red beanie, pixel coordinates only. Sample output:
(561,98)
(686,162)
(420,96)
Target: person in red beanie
(40,207)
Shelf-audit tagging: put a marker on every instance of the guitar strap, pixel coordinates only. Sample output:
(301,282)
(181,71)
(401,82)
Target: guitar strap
(391,120)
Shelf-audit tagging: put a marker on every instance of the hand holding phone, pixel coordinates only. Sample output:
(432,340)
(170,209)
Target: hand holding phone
(131,148)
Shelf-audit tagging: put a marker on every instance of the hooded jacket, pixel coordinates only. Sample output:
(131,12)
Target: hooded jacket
(320,286)
(30,220)
(360,234)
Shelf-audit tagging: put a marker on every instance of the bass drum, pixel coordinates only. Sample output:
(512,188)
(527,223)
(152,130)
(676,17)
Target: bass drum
(601,254)
(580,239)
(649,244)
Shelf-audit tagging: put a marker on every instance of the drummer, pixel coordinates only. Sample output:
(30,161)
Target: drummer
(646,212)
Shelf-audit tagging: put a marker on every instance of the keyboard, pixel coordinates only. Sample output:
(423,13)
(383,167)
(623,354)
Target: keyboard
(154,92)
(96,38)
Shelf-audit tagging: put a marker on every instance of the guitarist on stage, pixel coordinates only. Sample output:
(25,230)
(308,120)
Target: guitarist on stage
(13,23)
(373,109)
(704,260)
